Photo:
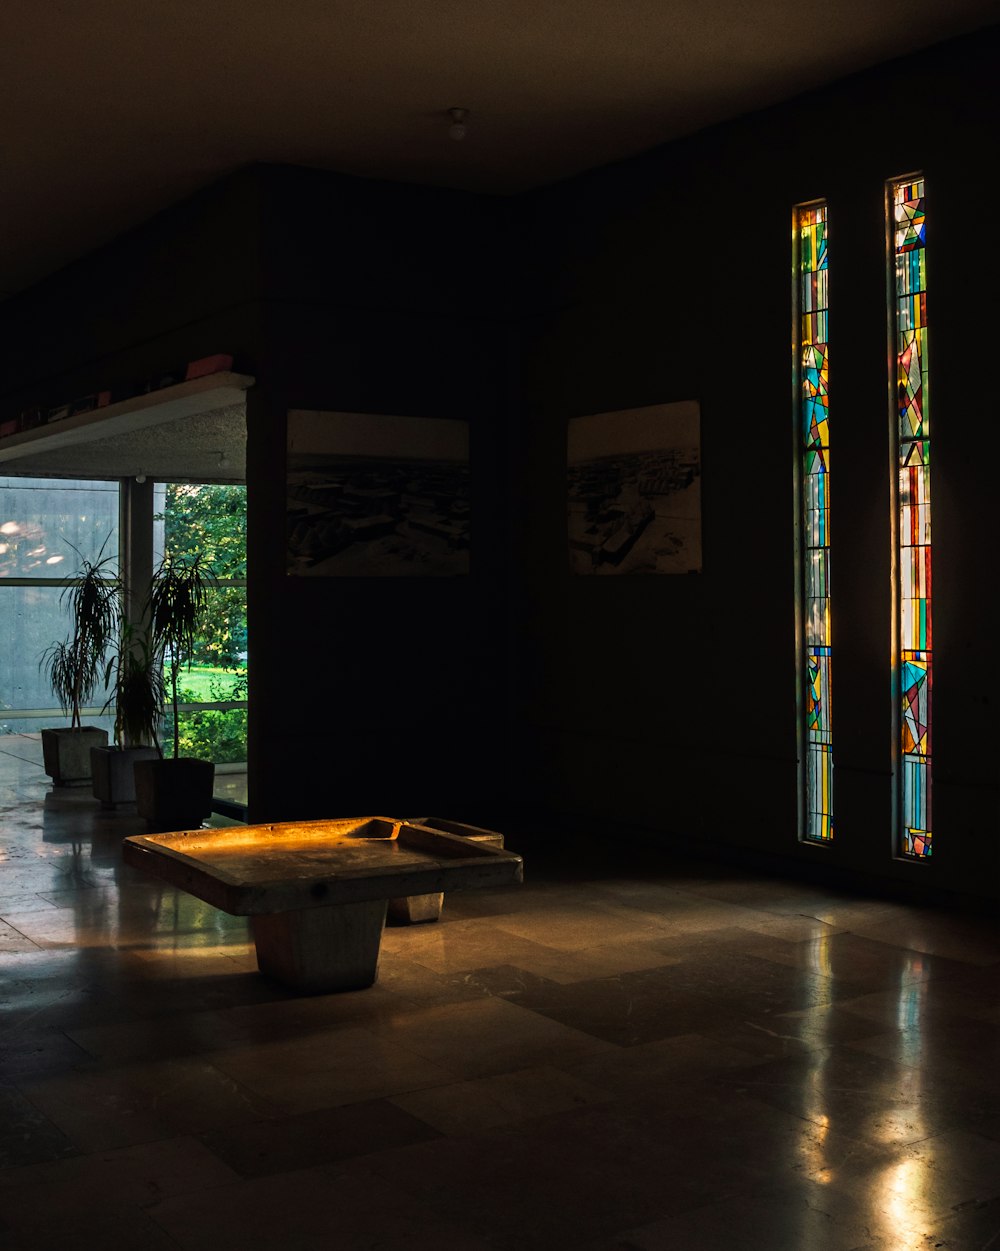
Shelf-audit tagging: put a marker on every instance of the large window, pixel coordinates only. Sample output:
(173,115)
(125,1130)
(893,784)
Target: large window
(813,455)
(911,430)
(210,520)
(47,527)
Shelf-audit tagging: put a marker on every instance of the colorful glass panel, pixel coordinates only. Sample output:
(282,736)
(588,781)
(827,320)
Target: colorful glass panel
(914,503)
(814,413)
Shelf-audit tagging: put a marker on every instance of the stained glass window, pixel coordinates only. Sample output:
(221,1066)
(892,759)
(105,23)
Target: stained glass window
(914,513)
(814,451)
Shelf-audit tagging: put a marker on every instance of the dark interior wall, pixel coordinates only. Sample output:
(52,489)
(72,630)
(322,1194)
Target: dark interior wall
(379,694)
(670,702)
(337,294)
(182,285)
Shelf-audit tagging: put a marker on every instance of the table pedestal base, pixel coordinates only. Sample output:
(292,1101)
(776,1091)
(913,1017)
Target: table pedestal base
(414,909)
(321,949)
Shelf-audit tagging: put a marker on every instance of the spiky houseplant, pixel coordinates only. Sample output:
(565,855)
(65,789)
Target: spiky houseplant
(138,690)
(178,596)
(135,676)
(75,665)
(176,792)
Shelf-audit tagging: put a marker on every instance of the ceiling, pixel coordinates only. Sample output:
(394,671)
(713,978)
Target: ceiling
(111,109)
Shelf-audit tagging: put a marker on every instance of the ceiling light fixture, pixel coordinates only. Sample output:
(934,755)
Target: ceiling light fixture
(458,128)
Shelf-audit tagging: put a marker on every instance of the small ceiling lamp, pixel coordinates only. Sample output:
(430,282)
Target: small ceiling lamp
(458,129)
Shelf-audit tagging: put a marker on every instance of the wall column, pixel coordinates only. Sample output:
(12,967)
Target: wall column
(135,544)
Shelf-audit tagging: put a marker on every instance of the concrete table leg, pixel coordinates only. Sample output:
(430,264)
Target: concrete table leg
(321,949)
(414,909)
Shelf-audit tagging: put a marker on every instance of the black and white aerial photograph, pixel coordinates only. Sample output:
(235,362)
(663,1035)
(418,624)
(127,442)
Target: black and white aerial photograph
(371,495)
(635,490)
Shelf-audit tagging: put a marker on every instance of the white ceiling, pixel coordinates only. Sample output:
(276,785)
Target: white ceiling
(111,109)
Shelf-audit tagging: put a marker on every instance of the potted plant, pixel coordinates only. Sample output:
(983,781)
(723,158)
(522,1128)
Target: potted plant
(175,793)
(135,675)
(74,666)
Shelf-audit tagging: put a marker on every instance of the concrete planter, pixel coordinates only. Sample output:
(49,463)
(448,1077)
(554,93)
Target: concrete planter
(66,753)
(112,771)
(174,794)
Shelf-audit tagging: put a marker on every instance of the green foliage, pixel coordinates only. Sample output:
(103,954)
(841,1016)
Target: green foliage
(67,677)
(177,598)
(222,637)
(210,683)
(138,691)
(209,522)
(74,666)
(213,734)
(206,529)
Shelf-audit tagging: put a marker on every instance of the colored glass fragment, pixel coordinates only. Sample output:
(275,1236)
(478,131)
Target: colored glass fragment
(914,606)
(813,300)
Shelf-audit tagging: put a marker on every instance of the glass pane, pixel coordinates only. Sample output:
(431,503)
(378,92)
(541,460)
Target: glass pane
(219,735)
(210,521)
(816,661)
(48,525)
(913,606)
(31,619)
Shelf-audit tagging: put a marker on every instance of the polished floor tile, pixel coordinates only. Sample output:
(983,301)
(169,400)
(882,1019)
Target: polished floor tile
(93,1182)
(482,1103)
(286,1143)
(772,1219)
(695,995)
(486,1036)
(313,1209)
(27,1136)
(782,1034)
(102,1108)
(878,1101)
(617,1057)
(553,1181)
(327,1068)
(122,1226)
(864,963)
(684,1058)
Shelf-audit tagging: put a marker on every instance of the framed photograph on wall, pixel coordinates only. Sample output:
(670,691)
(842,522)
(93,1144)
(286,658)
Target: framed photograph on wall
(371,495)
(635,490)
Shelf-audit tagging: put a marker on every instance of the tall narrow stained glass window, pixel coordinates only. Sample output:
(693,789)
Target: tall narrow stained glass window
(810,238)
(913,594)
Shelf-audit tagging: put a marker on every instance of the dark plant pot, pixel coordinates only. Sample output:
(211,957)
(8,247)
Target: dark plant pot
(112,771)
(66,753)
(174,794)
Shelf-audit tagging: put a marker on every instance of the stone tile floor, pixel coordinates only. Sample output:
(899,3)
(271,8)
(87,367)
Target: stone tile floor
(641,1057)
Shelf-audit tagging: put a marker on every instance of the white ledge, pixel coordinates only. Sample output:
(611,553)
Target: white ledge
(184,399)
